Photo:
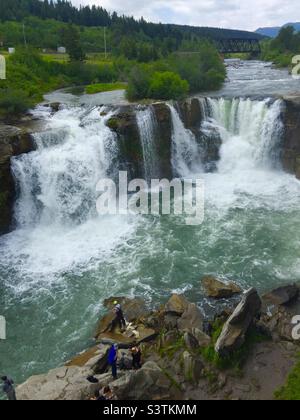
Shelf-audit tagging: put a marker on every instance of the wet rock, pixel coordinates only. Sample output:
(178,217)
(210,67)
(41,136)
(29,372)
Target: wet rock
(235,329)
(176,305)
(216,289)
(291,143)
(282,295)
(14,141)
(190,319)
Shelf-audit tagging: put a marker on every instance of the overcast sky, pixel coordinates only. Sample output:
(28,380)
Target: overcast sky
(237,14)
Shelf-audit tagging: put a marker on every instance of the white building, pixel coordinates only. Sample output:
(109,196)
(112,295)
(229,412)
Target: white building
(61,50)
(11,50)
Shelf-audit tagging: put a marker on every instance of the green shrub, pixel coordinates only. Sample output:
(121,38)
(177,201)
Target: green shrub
(291,390)
(139,83)
(14,102)
(167,85)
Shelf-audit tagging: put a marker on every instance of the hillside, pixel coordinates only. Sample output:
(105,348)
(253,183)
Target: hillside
(273,32)
(64,11)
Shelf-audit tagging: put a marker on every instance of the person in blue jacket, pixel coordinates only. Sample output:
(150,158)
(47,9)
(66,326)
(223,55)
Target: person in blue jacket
(113,359)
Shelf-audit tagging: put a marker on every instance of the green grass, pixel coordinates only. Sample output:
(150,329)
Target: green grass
(104,87)
(236,360)
(291,390)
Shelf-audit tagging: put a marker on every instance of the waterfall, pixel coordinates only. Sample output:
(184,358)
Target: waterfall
(147,124)
(57,182)
(250,131)
(186,152)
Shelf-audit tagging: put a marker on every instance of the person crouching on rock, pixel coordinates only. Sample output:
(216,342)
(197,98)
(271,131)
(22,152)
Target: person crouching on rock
(119,316)
(8,388)
(113,359)
(136,358)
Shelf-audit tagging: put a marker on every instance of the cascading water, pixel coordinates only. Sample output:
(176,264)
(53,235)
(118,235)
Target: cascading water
(250,131)
(186,152)
(62,261)
(148,129)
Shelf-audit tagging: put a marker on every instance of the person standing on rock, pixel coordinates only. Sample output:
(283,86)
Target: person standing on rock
(136,358)
(119,316)
(8,388)
(113,359)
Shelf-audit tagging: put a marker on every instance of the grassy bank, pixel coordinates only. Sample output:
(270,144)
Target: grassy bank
(291,390)
(104,87)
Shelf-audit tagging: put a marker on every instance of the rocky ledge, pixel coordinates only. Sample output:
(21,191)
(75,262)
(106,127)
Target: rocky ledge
(244,353)
(14,140)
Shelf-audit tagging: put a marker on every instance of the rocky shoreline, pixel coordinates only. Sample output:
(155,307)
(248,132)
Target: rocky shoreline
(244,353)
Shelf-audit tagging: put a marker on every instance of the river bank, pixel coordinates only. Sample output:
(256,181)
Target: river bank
(244,353)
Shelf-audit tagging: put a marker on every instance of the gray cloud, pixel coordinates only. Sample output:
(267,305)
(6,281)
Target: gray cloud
(239,14)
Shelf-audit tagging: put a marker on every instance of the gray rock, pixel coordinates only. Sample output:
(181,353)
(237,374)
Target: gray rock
(191,318)
(216,289)
(147,383)
(203,339)
(176,305)
(282,295)
(193,367)
(236,327)
(190,341)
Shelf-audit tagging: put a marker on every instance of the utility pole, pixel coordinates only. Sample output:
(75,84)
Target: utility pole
(105,43)
(24,35)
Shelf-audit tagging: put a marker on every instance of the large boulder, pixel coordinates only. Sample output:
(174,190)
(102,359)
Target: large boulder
(216,289)
(176,305)
(235,329)
(148,383)
(65,383)
(282,295)
(133,309)
(190,319)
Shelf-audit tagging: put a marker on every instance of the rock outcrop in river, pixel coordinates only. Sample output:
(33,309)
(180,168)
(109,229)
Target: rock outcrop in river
(179,360)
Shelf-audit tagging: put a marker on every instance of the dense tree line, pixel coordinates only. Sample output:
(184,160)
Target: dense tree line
(63,10)
(281,49)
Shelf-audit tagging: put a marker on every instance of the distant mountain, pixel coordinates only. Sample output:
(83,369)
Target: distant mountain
(272,32)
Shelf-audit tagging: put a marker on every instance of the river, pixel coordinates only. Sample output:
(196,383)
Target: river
(62,260)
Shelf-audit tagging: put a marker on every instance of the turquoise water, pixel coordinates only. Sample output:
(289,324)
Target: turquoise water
(63,260)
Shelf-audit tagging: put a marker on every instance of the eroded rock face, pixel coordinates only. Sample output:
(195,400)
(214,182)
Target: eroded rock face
(291,144)
(216,289)
(13,142)
(235,329)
